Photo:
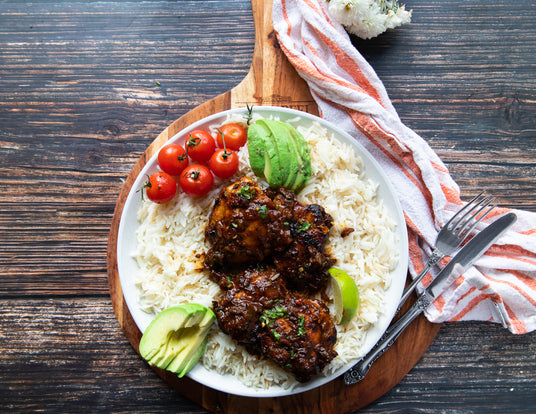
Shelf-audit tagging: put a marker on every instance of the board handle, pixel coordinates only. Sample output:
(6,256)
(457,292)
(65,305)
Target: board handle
(271,79)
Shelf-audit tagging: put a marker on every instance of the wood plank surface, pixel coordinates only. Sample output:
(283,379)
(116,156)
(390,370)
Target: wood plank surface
(70,355)
(85,87)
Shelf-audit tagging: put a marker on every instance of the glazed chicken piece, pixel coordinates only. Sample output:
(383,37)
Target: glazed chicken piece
(295,332)
(247,294)
(244,226)
(248,226)
(304,263)
(299,335)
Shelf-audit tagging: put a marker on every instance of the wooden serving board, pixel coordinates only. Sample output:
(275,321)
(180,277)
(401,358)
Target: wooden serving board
(271,81)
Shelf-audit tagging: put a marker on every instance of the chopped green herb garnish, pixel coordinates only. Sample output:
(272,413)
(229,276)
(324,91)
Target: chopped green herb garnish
(262,212)
(246,192)
(234,225)
(304,226)
(270,315)
(276,334)
(301,326)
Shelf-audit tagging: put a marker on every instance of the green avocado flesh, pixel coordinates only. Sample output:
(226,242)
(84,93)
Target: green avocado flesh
(256,135)
(177,337)
(305,170)
(279,152)
(278,159)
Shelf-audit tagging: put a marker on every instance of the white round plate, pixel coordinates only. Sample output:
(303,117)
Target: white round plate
(126,246)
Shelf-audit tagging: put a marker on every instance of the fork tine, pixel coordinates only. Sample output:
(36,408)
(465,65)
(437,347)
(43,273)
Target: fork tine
(461,233)
(462,213)
(467,217)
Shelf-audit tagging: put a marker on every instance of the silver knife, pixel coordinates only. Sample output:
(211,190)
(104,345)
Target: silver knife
(461,261)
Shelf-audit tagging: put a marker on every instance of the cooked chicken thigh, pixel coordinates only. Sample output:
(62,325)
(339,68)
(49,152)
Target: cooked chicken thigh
(246,296)
(304,263)
(249,226)
(298,334)
(245,226)
(295,332)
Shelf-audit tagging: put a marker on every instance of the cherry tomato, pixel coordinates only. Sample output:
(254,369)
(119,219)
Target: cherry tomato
(160,188)
(172,159)
(224,163)
(200,145)
(196,180)
(235,136)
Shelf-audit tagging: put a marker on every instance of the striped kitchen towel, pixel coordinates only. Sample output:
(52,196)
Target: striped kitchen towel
(501,286)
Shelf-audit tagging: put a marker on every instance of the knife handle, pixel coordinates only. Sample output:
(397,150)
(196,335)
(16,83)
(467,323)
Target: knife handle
(359,370)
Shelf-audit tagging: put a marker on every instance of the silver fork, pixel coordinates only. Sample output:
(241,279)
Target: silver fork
(452,234)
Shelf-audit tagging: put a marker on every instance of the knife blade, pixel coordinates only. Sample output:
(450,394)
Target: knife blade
(465,257)
(472,250)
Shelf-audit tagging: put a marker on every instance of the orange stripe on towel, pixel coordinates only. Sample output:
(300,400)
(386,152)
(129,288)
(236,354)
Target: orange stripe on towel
(471,290)
(305,66)
(285,16)
(313,6)
(523,278)
(415,252)
(511,251)
(475,301)
(323,5)
(350,67)
(439,303)
(376,135)
(438,167)
(514,287)
(518,325)
(497,211)
(452,195)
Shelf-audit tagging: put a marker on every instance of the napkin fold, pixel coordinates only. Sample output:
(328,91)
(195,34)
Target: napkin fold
(501,286)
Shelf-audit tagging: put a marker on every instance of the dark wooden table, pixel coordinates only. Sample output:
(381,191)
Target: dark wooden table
(85,87)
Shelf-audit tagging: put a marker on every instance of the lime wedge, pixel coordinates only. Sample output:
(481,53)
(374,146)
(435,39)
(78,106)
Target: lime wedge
(345,295)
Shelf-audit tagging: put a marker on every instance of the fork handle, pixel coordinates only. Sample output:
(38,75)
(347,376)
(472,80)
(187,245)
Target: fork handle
(434,258)
(359,370)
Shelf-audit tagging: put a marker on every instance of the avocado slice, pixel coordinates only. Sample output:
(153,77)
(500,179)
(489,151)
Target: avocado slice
(277,157)
(257,134)
(288,152)
(280,153)
(177,340)
(181,365)
(190,344)
(177,337)
(304,155)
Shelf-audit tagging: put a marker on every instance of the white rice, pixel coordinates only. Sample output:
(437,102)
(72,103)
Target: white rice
(170,236)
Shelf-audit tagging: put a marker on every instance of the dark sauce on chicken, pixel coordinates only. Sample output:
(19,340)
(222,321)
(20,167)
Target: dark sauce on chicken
(268,256)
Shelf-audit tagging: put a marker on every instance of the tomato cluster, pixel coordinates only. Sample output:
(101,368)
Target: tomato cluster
(196,179)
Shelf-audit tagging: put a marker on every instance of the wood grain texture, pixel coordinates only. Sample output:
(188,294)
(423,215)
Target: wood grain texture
(80,103)
(70,355)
